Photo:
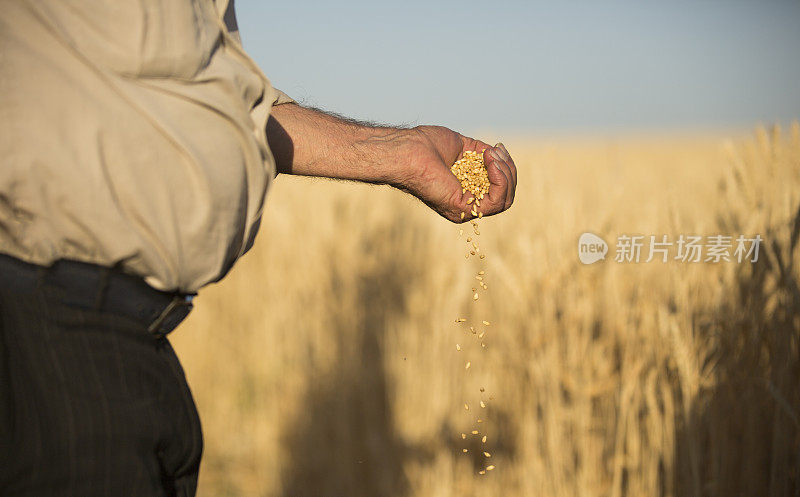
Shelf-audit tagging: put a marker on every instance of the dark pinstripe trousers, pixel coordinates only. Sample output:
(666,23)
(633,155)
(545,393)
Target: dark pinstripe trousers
(91,404)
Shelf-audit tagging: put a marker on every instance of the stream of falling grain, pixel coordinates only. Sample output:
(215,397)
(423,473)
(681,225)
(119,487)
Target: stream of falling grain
(471,172)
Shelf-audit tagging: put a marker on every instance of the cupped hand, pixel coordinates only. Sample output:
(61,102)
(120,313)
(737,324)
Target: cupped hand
(429,177)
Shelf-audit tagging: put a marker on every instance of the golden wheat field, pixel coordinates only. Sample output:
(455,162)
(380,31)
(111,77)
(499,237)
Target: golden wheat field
(325,364)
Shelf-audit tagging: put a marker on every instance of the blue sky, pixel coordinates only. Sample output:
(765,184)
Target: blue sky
(566,66)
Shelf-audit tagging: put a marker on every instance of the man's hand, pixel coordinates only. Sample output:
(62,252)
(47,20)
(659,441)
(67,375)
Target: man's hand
(314,143)
(428,176)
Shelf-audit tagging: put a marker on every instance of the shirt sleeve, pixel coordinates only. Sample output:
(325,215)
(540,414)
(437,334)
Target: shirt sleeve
(282,98)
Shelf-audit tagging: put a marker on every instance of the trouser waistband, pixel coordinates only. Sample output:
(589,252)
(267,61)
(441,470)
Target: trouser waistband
(90,286)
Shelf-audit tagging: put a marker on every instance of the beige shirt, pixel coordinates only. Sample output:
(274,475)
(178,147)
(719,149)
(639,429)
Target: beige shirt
(131,133)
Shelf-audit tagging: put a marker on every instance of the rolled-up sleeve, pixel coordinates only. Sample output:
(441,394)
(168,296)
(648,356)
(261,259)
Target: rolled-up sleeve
(282,98)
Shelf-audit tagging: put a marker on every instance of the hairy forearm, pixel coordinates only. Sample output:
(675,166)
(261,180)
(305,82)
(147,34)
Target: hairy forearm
(315,143)
(310,142)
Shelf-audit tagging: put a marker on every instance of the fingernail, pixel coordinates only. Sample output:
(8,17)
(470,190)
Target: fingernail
(493,153)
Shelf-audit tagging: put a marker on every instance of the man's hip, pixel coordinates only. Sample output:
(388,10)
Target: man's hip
(91,401)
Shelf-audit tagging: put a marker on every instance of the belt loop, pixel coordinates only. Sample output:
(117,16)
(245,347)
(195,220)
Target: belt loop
(102,289)
(105,280)
(41,274)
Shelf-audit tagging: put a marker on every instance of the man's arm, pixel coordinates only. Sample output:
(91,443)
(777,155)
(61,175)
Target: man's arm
(310,142)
